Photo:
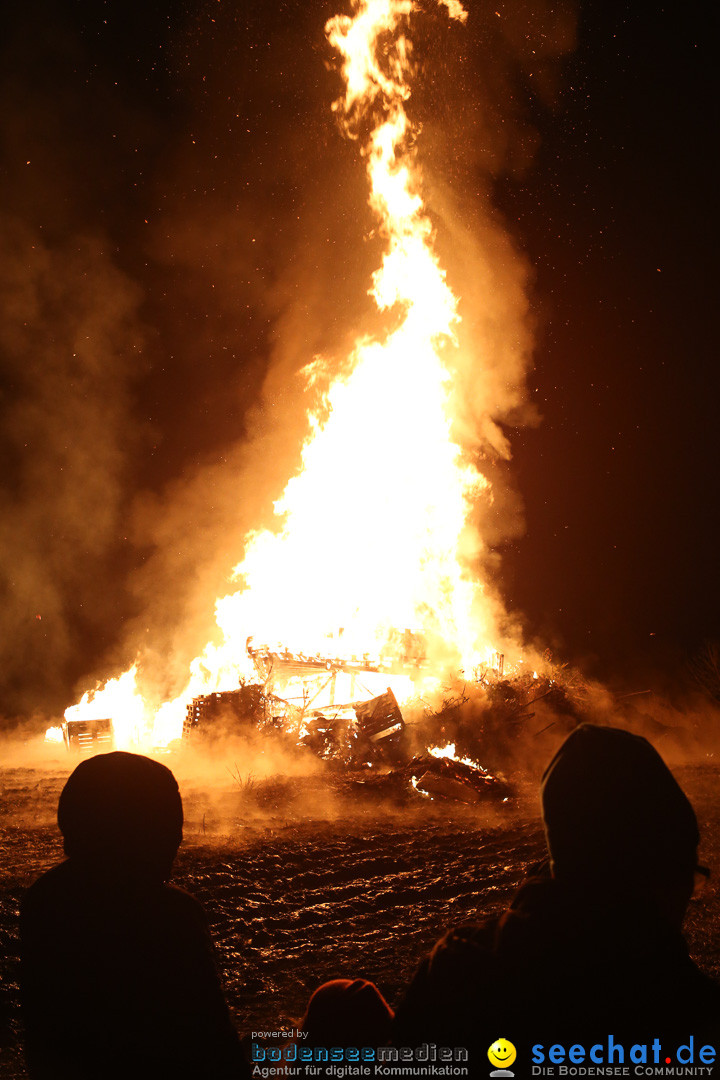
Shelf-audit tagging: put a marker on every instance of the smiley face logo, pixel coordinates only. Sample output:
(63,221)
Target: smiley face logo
(502,1054)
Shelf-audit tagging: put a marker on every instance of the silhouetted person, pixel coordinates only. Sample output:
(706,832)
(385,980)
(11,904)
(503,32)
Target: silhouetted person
(345,1013)
(118,973)
(594,947)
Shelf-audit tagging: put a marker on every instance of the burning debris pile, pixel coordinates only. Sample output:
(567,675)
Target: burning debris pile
(356,734)
(371,736)
(375,736)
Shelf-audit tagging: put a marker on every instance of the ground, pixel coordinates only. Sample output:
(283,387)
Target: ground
(314,877)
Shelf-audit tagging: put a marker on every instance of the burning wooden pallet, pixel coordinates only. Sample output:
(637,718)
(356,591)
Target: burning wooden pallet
(89,736)
(228,712)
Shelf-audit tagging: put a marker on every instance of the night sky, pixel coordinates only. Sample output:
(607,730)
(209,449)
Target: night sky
(619,219)
(172,230)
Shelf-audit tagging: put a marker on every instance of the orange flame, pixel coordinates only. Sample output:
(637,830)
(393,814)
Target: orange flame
(448,751)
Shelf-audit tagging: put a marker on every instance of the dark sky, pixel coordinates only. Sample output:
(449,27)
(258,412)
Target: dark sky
(619,219)
(161,166)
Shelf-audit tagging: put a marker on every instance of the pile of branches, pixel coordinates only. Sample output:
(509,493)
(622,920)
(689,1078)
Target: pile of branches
(483,715)
(705,669)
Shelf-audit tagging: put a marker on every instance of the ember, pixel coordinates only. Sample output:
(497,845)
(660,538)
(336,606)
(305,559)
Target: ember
(448,777)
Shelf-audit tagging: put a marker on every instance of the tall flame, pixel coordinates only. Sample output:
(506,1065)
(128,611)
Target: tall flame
(370,532)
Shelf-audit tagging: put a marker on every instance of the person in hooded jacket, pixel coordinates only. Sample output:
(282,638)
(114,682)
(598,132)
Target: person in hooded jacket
(343,1013)
(592,945)
(118,975)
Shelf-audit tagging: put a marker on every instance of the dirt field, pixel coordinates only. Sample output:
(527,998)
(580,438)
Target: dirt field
(316,877)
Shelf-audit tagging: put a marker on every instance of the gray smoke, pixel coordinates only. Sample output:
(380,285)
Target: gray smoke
(69,347)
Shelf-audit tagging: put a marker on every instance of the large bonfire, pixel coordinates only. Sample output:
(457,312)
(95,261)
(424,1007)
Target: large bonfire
(381,448)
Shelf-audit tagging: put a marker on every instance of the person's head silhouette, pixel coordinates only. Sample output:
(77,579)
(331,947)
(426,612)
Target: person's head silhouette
(616,819)
(121,816)
(347,1012)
